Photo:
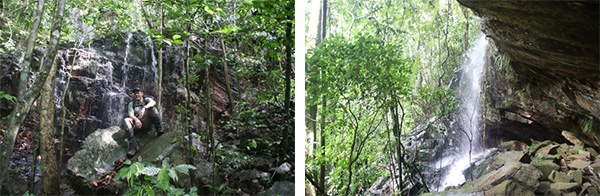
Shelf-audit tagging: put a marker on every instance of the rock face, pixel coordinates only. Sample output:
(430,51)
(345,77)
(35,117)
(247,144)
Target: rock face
(545,75)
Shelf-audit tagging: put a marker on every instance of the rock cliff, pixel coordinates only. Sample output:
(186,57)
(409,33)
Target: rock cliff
(544,72)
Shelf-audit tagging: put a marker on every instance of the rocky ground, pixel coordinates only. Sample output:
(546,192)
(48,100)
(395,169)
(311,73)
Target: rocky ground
(542,168)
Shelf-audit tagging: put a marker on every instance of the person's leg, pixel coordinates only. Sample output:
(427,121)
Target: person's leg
(154,116)
(129,124)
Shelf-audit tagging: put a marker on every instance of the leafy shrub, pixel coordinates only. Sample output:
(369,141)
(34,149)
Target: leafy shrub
(145,178)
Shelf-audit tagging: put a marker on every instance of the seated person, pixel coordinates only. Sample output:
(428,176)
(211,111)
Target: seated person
(140,111)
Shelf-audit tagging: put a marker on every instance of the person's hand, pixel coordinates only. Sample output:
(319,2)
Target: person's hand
(142,112)
(138,123)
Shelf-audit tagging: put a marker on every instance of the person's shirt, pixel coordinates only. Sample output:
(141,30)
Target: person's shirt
(134,107)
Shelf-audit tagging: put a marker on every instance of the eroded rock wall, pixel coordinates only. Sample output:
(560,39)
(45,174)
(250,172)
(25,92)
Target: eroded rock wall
(544,75)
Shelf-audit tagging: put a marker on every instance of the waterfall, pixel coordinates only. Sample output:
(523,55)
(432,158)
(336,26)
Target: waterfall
(102,75)
(467,124)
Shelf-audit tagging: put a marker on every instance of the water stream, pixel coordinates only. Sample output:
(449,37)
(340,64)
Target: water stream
(468,126)
(101,82)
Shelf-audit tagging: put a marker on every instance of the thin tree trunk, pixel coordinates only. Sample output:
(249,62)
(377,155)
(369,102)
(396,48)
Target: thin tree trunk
(209,125)
(323,136)
(26,59)
(35,143)
(227,80)
(311,120)
(160,62)
(288,72)
(48,152)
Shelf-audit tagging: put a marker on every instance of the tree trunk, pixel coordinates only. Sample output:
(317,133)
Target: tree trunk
(28,95)
(50,173)
(26,59)
(322,36)
(209,125)
(35,145)
(288,74)
(47,150)
(227,80)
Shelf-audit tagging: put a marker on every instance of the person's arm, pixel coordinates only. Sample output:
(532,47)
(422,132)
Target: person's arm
(151,103)
(137,121)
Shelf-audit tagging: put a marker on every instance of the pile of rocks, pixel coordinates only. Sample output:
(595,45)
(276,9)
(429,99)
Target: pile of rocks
(542,168)
(566,169)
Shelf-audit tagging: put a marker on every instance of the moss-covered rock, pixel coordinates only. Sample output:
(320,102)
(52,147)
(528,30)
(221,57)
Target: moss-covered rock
(546,168)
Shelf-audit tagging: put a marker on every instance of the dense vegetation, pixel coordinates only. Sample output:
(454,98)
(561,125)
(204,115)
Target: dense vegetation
(254,40)
(376,70)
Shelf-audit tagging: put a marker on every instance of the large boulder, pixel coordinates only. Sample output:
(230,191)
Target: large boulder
(100,150)
(514,178)
(279,188)
(249,181)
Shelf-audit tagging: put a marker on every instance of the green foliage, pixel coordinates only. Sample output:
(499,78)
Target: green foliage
(8,97)
(588,124)
(221,189)
(147,179)
(531,149)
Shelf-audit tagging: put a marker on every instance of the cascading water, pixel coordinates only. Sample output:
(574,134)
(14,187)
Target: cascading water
(102,76)
(467,120)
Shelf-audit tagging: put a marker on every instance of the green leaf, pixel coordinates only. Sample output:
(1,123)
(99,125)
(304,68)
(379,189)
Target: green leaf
(127,162)
(178,42)
(149,190)
(122,173)
(184,168)
(136,168)
(207,9)
(165,163)
(173,175)
(197,57)
(163,179)
(150,171)
(176,37)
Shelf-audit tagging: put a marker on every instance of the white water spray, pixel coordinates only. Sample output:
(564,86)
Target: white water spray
(468,119)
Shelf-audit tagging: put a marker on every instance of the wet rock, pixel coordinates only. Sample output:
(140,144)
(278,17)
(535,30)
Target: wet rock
(577,156)
(557,176)
(593,152)
(593,191)
(576,175)
(203,171)
(546,168)
(553,192)
(247,180)
(570,194)
(512,145)
(572,138)
(279,188)
(158,148)
(578,164)
(100,150)
(523,174)
(564,187)
(506,157)
(595,167)
(509,187)
(543,188)
(547,150)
